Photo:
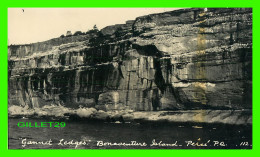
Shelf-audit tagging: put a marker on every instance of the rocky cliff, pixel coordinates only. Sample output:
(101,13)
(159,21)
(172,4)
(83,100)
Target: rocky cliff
(181,60)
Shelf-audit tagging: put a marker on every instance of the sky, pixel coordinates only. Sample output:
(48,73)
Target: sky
(30,25)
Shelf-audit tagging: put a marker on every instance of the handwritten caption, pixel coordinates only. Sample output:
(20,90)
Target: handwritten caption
(154,143)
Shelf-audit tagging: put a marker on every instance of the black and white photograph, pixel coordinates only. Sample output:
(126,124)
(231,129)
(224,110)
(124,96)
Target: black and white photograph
(130,78)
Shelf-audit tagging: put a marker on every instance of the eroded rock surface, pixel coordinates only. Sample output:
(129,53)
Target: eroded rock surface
(181,60)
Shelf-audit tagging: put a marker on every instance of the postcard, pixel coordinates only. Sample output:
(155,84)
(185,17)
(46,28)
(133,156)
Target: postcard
(130,78)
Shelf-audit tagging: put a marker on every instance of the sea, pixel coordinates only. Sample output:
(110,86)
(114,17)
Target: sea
(83,134)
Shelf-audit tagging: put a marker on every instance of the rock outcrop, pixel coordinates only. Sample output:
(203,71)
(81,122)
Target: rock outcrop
(181,60)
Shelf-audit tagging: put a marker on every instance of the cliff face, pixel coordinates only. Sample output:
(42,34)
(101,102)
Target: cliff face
(184,59)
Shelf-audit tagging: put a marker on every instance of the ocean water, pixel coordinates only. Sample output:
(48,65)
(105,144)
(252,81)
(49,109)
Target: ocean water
(102,135)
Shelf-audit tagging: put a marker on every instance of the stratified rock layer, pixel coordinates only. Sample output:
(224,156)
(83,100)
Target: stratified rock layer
(185,59)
